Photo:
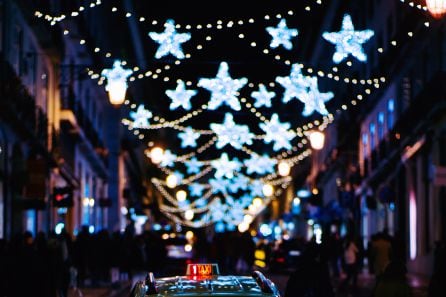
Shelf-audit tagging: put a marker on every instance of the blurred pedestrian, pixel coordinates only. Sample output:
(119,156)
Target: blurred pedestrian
(393,281)
(311,277)
(351,257)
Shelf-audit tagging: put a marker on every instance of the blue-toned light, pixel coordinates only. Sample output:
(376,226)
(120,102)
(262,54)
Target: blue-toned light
(278,133)
(392,206)
(282,35)
(188,137)
(295,83)
(314,100)
(157,227)
(196,189)
(348,41)
(91,229)
(230,133)
(303,193)
(262,96)
(225,167)
(168,159)
(116,82)
(169,41)
(180,96)
(365,138)
(59,227)
(265,230)
(193,165)
(219,185)
(381,117)
(256,188)
(141,117)
(240,182)
(220,227)
(260,164)
(391,105)
(224,89)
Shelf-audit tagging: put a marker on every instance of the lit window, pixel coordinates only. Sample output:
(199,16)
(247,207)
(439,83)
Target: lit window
(380,125)
(390,113)
(372,130)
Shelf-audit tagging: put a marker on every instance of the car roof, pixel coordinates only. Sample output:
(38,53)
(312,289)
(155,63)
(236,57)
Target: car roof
(220,285)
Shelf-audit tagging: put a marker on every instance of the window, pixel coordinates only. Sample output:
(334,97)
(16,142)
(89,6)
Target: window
(365,141)
(380,125)
(390,113)
(372,130)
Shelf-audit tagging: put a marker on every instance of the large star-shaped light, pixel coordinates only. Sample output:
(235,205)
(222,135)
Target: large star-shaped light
(230,133)
(116,77)
(168,159)
(189,137)
(239,182)
(169,41)
(282,35)
(314,100)
(219,185)
(262,96)
(260,164)
(225,167)
(224,89)
(256,188)
(277,132)
(193,165)
(295,84)
(180,96)
(141,117)
(348,41)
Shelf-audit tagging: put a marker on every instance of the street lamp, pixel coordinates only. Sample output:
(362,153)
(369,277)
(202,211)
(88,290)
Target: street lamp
(437,8)
(317,139)
(116,82)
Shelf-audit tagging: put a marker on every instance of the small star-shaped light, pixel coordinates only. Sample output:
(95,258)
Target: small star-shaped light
(230,133)
(217,210)
(193,165)
(295,84)
(314,100)
(168,159)
(196,189)
(116,77)
(188,137)
(225,167)
(281,35)
(348,41)
(262,96)
(277,132)
(219,185)
(169,41)
(256,188)
(223,88)
(260,164)
(180,96)
(240,182)
(141,117)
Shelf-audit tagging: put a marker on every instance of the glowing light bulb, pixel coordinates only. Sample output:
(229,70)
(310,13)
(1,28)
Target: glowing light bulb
(284,168)
(181,195)
(268,190)
(171,181)
(156,155)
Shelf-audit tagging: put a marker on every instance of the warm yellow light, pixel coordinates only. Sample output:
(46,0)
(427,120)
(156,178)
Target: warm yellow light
(317,139)
(181,195)
(284,168)
(268,190)
(243,227)
(189,214)
(156,155)
(437,8)
(257,202)
(189,235)
(315,191)
(91,202)
(188,247)
(116,91)
(247,218)
(171,181)
(86,201)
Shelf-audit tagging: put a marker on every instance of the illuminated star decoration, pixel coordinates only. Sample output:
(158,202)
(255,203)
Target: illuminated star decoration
(281,35)
(277,132)
(260,164)
(225,167)
(180,96)
(295,84)
(223,88)
(188,137)
(262,96)
(141,118)
(193,165)
(314,100)
(169,41)
(240,182)
(116,77)
(168,159)
(219,185)
(196,189)
(348,41)
(256,188)
(217,210)
(230,133)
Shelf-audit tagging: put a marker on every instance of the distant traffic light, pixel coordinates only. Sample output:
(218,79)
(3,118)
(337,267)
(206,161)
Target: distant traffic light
(62,197)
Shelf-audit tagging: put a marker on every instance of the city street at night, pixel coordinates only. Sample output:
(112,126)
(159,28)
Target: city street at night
(286,148)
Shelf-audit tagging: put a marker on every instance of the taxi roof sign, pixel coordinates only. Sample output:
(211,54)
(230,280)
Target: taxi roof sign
(202,269)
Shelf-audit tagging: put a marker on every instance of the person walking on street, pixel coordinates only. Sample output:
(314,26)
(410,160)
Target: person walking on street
(351,263)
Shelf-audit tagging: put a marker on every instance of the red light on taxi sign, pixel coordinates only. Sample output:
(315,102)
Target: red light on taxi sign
(202,269)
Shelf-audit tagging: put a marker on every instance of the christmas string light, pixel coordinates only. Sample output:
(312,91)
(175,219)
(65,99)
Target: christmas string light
(53,20)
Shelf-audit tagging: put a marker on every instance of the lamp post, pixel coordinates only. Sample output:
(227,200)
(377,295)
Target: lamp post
(116,82)
(437,8)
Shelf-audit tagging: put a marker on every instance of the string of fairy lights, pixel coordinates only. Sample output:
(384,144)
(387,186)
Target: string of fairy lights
(228,180)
